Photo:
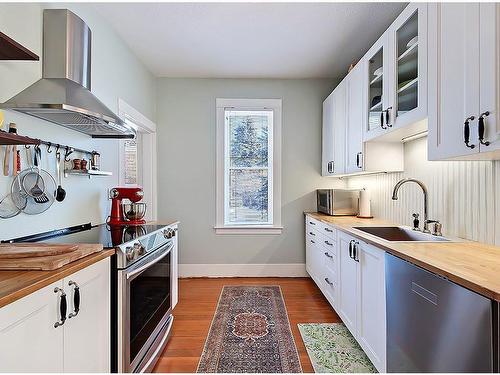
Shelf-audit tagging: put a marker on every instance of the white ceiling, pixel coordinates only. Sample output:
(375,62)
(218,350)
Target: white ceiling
(249,40)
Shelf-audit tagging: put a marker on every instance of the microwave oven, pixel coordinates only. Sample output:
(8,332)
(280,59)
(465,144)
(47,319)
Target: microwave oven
(337,202)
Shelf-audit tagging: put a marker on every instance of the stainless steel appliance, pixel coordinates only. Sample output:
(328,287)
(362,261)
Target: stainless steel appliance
(63,95)
(434,325)
(338,201)
(142,282)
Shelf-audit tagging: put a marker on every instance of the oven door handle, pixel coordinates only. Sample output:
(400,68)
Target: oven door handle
(147,265)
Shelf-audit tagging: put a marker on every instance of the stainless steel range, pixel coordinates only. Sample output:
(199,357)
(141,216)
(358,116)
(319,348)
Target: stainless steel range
(143,286)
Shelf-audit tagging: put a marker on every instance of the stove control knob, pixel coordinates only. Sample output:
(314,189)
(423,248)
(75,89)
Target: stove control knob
(139,249)
(168,233)
(129,252)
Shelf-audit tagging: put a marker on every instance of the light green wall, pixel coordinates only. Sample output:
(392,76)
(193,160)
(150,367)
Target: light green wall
(186,165)
(116,73)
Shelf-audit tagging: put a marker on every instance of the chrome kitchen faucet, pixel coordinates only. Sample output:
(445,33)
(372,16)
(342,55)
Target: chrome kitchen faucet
(437,225)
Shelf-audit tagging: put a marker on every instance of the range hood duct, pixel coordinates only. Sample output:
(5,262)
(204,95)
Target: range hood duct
(62,95)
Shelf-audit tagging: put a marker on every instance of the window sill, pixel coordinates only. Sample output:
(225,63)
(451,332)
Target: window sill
(248,230)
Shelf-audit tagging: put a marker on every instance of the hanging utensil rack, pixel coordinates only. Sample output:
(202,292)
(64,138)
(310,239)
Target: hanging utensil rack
(7,138)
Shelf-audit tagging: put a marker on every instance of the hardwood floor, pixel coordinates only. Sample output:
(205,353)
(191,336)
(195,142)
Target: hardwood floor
(197,303)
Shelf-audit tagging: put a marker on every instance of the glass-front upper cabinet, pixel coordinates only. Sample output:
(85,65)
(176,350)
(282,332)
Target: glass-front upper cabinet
(396,77)
(377,83)
(408,39)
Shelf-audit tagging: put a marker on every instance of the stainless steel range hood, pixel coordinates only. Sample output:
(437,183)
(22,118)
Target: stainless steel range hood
(62,95)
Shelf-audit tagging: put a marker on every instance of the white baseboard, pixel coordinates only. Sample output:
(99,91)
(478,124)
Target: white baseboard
(243,270)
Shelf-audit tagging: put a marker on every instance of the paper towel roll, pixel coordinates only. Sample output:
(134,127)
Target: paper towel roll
(364,204)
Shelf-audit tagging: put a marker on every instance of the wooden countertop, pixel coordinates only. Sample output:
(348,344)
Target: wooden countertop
(17,284)
(473,265)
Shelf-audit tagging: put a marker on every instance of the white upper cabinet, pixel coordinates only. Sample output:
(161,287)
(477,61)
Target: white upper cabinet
(327,157)
(397,78)
(344,151)
(377,71)
(355,118)
(464,81)
(408,67)
(334,124)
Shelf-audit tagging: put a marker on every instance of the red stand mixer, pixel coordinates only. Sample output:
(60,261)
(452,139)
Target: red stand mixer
(124,213)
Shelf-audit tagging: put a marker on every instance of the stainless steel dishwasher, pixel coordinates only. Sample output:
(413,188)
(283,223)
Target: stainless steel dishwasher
(434,325)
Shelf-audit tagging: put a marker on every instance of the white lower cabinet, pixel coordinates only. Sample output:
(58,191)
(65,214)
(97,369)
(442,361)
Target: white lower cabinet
(28,340)
(371,325)
(351,275)
(362,295)
(81,344)
(321,258)
(87,335)
(348,290)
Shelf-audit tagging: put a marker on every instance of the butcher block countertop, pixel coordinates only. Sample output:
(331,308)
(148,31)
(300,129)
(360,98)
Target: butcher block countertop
(473,265)
(18,284)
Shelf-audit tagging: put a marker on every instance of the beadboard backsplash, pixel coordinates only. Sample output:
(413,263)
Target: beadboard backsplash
(463,195)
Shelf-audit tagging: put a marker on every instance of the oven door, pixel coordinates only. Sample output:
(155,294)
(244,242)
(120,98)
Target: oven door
(144,310)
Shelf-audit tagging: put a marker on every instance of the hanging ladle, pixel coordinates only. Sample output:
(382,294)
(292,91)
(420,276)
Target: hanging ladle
(60,192)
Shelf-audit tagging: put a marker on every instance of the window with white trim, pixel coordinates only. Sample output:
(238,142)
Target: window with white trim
(248,166)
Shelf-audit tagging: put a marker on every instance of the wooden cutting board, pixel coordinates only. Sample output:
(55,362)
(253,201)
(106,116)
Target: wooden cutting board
(50,262)
(28,250)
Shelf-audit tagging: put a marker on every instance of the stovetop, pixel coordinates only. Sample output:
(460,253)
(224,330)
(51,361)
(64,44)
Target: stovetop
(109,237)
(132,243)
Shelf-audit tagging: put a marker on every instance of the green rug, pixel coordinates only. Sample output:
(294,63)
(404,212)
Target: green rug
(331,348)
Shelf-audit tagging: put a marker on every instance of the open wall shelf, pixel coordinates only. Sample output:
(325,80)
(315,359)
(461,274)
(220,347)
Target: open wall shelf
(12,50)
(7,138)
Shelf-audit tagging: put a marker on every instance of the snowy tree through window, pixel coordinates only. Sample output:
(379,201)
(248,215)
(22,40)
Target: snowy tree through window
(248,167)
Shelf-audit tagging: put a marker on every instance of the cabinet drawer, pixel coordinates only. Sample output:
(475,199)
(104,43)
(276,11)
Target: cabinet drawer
(312,224)
(329,288)
(329,244)
(320,227)
(330,261)
(328,231)
(323,241)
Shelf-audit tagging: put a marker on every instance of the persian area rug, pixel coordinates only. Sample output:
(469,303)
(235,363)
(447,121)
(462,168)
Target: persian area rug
(332,348)
(250,332)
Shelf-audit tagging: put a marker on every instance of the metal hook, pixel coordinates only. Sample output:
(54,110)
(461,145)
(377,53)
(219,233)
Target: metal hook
(69,151)
(48,147)
(27,147)
(57,147)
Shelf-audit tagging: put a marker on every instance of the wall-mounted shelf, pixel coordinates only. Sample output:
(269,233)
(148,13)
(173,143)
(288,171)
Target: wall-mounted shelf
(12,50)
(86,173)
(7,138)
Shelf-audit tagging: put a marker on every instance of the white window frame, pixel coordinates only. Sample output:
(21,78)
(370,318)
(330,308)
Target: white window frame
(147,128)
(274,185)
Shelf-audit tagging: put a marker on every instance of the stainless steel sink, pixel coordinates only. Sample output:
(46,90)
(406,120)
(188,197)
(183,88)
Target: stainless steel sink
(401,234)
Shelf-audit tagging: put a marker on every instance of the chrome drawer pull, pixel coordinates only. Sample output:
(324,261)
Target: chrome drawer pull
(312,223)
(329,230)
(328,281)
(328,243)
(328,255)
(311,233)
